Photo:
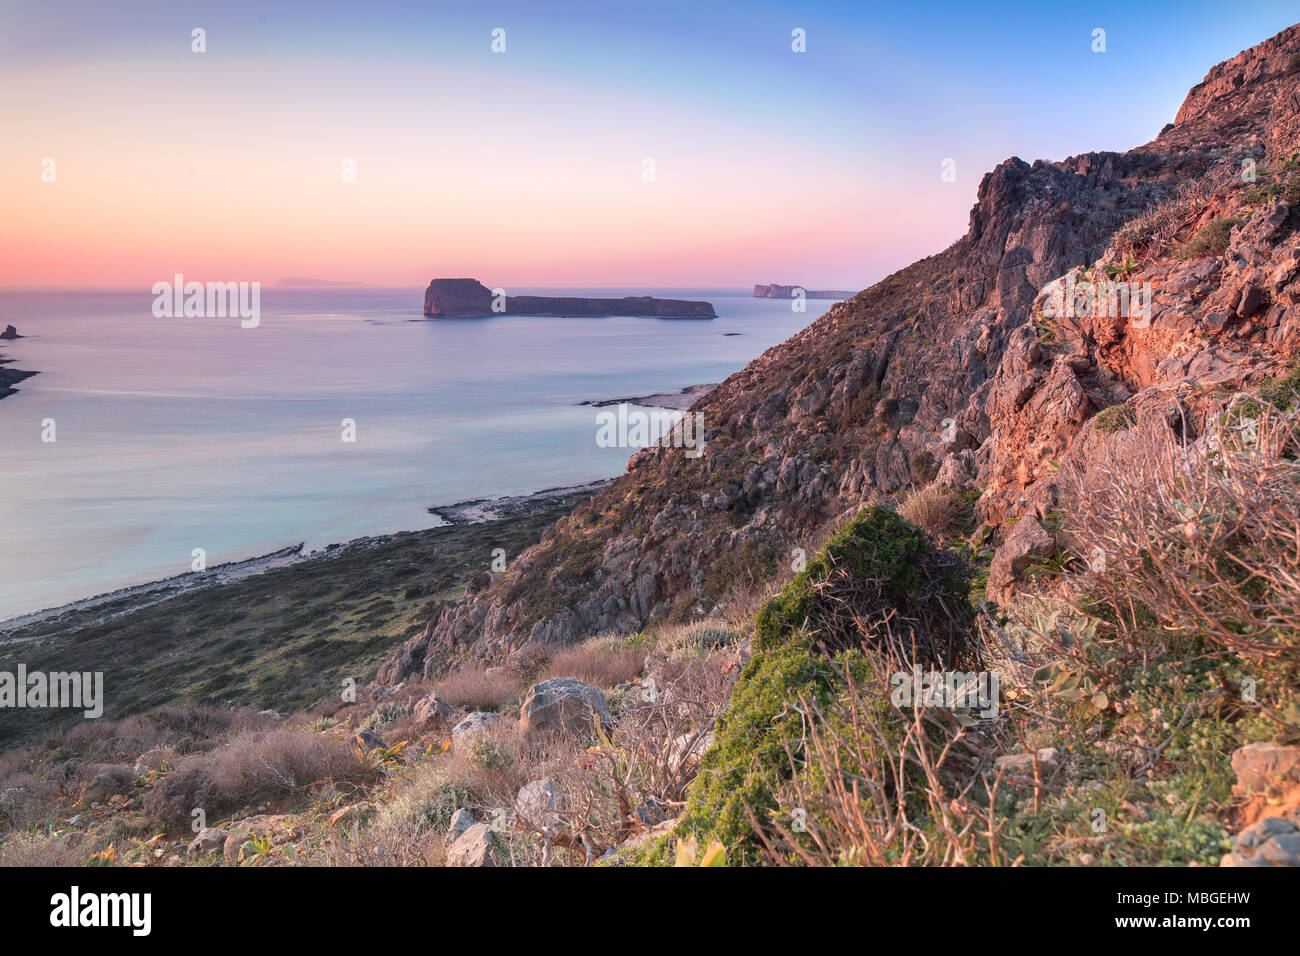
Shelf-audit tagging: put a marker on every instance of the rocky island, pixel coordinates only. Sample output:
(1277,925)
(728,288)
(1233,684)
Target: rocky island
(774,291)
(465,298)
(10,376)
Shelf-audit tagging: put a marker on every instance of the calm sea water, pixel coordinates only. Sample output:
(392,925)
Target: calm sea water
(176,434)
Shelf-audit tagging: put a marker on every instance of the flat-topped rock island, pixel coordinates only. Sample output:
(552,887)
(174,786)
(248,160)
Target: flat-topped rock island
(466,298)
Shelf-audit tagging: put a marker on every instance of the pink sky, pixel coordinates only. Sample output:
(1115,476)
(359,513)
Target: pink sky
(233,171)
(819,168)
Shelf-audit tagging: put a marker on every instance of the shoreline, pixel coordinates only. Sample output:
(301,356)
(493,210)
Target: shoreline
(106,606)
(10,377)
(677,401)
(484,510)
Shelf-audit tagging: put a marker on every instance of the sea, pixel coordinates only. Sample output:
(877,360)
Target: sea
(146,444)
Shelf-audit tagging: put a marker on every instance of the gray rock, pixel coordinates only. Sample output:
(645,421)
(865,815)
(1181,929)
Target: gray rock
(209,840)
(1027,542)
(1272,841)
(1022,765)
(431,712)
(538,802)
(461,821)
(564,705)
(474,724)
(475,847)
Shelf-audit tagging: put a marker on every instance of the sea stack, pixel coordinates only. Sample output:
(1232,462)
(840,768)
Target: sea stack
(467,298)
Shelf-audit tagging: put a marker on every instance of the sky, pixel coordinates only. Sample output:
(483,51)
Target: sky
(610,144)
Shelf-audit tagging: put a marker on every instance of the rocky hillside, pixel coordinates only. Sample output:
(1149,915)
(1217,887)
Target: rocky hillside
(956,369)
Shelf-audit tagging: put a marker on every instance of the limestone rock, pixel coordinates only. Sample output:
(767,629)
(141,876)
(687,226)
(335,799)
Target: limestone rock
(563,705)
(475,847)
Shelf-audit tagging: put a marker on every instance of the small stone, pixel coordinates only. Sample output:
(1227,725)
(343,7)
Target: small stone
(209,840)
(461,821)
(349,814)
(1022,765)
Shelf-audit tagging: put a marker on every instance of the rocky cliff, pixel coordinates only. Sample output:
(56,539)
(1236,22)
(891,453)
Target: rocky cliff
(464,298)
(961,368)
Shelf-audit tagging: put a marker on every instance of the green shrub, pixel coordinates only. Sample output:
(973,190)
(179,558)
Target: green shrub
(386,713)
(699,637)
(875,569)
(1115,418)
(877,575)
(427,802)
(1211,240)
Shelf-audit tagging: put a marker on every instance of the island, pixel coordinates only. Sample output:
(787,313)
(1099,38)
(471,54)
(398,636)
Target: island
(10,377)
(774,291)
(469,298)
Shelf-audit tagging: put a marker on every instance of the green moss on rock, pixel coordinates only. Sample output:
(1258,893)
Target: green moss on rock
(808,639)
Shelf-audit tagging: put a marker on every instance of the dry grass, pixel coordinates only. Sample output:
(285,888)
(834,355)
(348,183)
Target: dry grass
(1205,537)
(252,766)
(638,775)
(602,662)
(1166,225)
(934,508)
(42,849)
(891,787)
(480,688)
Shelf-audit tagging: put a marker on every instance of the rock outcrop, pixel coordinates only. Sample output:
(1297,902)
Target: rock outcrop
(10,376)
(469,298)
(950,358)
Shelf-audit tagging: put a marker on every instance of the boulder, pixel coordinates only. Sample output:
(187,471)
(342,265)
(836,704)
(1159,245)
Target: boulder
(563,705)
(431,712)
(473,725)
(1261,766)
(475,847)
(1273,841)
(538,802)
(685,751)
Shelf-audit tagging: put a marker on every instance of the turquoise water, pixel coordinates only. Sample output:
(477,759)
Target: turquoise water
(175,434)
